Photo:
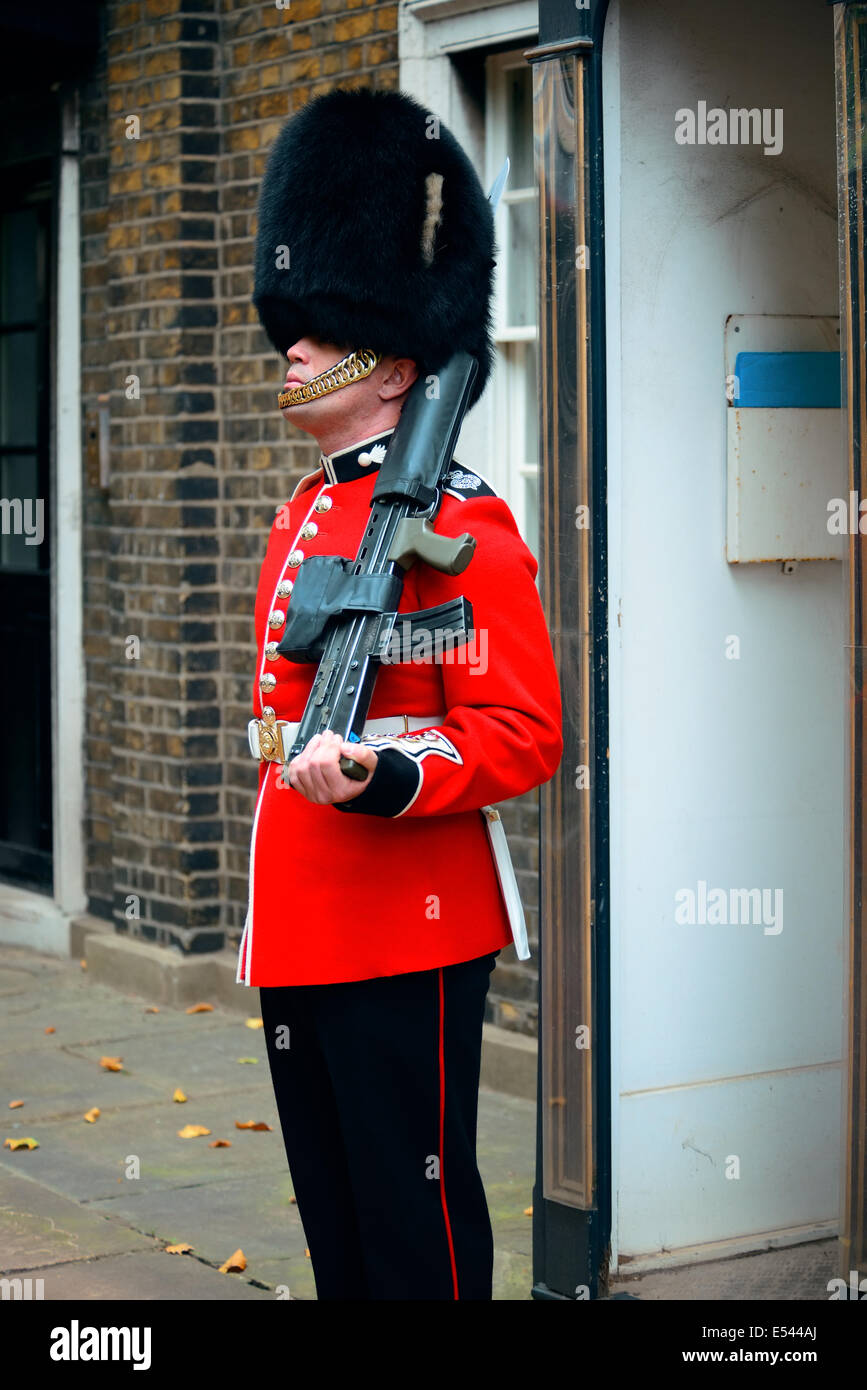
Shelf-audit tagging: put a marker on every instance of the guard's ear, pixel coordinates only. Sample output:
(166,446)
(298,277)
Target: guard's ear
(404,372)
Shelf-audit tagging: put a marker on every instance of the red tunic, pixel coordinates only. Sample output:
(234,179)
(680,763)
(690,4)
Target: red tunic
(401,878)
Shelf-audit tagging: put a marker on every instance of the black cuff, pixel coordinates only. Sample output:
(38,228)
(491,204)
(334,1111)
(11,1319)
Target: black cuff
(393,785)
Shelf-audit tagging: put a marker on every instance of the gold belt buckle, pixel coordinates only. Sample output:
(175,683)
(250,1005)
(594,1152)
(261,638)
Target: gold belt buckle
(270,737)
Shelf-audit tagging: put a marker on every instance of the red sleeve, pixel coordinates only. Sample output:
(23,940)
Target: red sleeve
(502,735)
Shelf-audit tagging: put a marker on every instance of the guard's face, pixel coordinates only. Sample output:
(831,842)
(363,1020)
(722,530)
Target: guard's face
(307,358)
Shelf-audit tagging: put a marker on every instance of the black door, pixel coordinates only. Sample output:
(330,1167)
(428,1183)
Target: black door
(25,551)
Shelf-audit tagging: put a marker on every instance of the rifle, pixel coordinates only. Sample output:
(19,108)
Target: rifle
(343,612)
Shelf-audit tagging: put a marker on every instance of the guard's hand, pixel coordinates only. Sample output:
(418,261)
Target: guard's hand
(316,774)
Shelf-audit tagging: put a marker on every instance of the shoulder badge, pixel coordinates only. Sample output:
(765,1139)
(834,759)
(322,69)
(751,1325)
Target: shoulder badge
(463,483)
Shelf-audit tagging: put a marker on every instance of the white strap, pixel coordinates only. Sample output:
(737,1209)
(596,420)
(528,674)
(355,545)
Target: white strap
(391,724)
(508,882)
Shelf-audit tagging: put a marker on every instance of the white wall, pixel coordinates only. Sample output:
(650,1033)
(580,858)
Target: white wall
(727,1040)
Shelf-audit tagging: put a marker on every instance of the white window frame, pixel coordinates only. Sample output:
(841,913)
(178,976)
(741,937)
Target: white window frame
(429,33)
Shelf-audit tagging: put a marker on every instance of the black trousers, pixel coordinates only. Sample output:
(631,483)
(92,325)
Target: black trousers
(377,1084)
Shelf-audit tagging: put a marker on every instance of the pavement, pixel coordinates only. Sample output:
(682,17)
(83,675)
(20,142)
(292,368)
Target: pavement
(92,1209)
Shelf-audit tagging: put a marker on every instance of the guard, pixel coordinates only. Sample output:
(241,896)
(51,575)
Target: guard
(377,909)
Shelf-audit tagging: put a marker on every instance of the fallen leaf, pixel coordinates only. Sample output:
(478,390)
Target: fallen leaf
(253,1023)
(15,1104)
(293,1201)
(111,1063)
(51,1030)
(248,1061)
(151,1010)
(83,964)
(179,1095)
(220,1144)
(14,1144)
(307,1252)
(178,1249)
(192,1131)
(528,1211)
(251,1124)
(201,1009)
(93,1115)
(235,1264)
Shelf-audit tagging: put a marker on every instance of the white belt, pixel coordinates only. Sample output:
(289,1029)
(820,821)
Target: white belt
(261,734)
(262,739)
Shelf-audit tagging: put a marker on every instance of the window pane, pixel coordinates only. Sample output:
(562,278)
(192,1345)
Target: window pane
(531,513)
(531,413)
(18,231)
(519,126)
(22,519)
(522,258)
(18,388)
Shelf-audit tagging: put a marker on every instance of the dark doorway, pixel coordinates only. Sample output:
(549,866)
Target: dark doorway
(25,548)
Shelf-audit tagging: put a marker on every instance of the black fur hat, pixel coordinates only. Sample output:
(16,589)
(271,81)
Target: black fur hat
(387,232)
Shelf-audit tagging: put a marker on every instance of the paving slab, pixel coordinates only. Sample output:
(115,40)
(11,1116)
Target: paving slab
(150,1276)
(39,1228)
(798,1273)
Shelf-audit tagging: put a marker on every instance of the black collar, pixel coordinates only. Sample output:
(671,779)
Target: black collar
(343,465)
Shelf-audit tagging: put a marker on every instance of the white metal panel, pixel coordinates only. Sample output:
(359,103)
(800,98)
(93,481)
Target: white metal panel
(728,683)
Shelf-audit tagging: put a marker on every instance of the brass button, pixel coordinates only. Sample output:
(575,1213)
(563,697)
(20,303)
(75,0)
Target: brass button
(295,558)
(323,504)
(308,530)
(284,588)
(271,651)
(277,618)
(267,683)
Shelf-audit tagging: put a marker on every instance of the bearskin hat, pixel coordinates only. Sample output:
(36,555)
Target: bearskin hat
(374,232)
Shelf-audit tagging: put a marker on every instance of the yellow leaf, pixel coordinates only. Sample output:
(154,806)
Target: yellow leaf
(178,1249)
(235,1264)
(201,1009)
(111,1063)
(192,1131)
(51,1030)
(307,1252)
(179,1095)
(528,1211)
(293,1201)
(84,965)
(251,1124)
(93,1115)
(14,1144)
(253,1023)
(220,1144)
(151,1010)
(15,1104)
(248,1061)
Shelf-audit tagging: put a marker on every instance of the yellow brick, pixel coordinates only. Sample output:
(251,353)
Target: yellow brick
(168,60)
(387,18)
(305,9)
(170,32)
(162,176)
(125,181)
(243,138)
(155,9)
(380,51)
(123,71)
(127,14)
(301,39)
(353,27)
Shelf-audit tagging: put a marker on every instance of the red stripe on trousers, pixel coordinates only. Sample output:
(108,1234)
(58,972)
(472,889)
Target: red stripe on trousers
(442,1126)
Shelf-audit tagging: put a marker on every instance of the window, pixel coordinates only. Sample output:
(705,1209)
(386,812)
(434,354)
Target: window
(514,439)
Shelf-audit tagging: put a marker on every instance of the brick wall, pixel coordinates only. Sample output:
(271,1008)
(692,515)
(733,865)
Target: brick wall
(200,458)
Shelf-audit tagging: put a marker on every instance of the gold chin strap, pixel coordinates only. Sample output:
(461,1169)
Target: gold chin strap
(354,367)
